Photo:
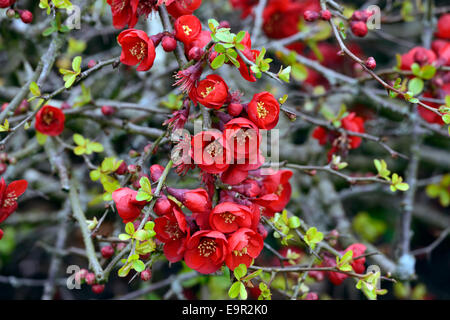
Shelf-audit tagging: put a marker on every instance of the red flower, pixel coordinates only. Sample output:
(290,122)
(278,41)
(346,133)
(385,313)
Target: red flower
(243,138)
(358,250)
(244,69)
(189,77)
(196,200)
(264,110)
(163,206)
(278,184)
(227,217)
(245,5)
(355,124)
(419,55)
(208,150)
(127,206)
(187,28)
(206,251)
(183,7)
(8,197)
(203,38)
(124,13)
(336,278)
(211,92)
(236,173)
(443,26)
(243,246)
(137,49)
(50,121)
(173,231)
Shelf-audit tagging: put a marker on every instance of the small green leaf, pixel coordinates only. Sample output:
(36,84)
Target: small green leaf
(240,271)
(34,89)
(415,85)
(218,61)
(76,64)
(234,290)
(138,265)
(129,228)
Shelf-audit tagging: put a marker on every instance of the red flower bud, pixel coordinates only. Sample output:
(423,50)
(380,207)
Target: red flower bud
(182,7)
(195,53)
(163,206)
(187,28)
(169,44)
(235,109)
(443,26)
(122,169)
(6,3)
(311,296)
(108,110)
(196,200)
(98,288)
(310,15)
(127,206)
(371,63)
(107,252)
(26,16)
(359,28)
(50,121)
(325,15)
(146,275)
(10,13)
(91,63)
(90,278)
(156,171)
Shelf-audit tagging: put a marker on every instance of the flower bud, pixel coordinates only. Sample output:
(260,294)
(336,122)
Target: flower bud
(122,169)
(196,200)
(91,63)
(65,106)
(162,206)
(311,16)
(371,63)
(26,16)
(359,28)
(10,13)
(108,110)
(195,53)
(224,24)
(325,15)
(90,278)
(235,109)
(98,288)
(156,171)
(169,44)
(146,275)
(107,252)
(6,3)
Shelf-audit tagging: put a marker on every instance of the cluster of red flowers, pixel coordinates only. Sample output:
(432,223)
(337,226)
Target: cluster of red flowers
(8,198)
(439,55)
(228,155)
(340,142)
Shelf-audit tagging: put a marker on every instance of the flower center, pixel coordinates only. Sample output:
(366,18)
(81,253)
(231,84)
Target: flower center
(10,199)
(207,91)
(242,135)
(138,50)
(241,252)
(228,217)
(173,231)
(261,110)
(214,149)
(207,247)
(48,117)
(187,30)
(119,5)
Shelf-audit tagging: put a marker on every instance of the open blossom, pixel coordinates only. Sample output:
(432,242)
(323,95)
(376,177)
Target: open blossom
(227,217)
(358,250)
(124,13)
(211,92)
(245,5)
(206,251)
(264,110)
(8,198)
(179,8)
(172,229)
(50,121)
(443,27)
(187,28)
(243,138)
(127,206)
(208,150)
(137,49)
(244,245)
(419,55)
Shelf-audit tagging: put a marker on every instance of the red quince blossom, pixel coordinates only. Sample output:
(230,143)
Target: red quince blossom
(245,5)
(50,121)
(127,206)
(243,138)
(163,205)
(179,8)
(236,173)
(187,28)
(8,198)
(276,184)
(212,92)
(336,278)
(196,200)
(443,27)
(264,110)
(419,55)
(244,245)
(206,251)
(172,229)
(227,217)
(124,13)
(358,250)
(137,49)
(208,150)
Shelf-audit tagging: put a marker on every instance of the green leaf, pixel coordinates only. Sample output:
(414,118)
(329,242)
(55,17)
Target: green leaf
(34,89)
(218,61)
(124,237)
(70,80)
(94,175)
(129,228)
(240,36)
(284,74)
(41,138)
(242,291)
(428,72)
(294,222)
(234,290)
(141,235)
(138,265)
(240,271)
(143,196)
(415,85)
(145,185)
(415,68)
(124,271)
(94,147)
(76,64)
